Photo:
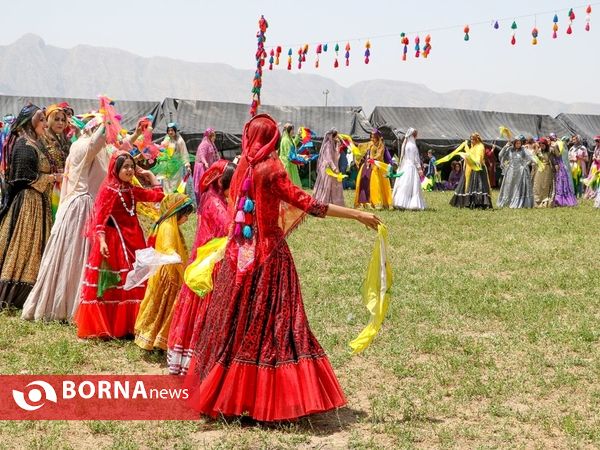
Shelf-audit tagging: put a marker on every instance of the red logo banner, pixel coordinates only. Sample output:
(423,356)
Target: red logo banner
(94,397)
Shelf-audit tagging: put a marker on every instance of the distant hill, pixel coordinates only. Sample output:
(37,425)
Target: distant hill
(30,67)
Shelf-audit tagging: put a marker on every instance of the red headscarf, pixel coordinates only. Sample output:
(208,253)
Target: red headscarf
(213,174)
(259,163)
(108,192)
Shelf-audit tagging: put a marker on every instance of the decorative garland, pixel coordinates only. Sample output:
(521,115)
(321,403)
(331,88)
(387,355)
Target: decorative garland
(405,41)
(261,55)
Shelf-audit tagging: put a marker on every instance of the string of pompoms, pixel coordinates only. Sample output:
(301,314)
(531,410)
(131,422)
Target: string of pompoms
(321,47)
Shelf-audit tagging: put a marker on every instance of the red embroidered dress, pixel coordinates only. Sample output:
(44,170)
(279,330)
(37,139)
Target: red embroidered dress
(256,353)
(114,313)
(213,219)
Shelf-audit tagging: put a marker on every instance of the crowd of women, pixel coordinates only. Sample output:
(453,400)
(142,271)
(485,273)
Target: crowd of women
(72,247)
(245,344)
(541,173)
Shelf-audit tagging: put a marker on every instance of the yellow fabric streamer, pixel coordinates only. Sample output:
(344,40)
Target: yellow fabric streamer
(338,176)
(505,132)
(149,210)
(347,140)
(198,275)
(181,188)
(375,291)
(451,155)
(383,166)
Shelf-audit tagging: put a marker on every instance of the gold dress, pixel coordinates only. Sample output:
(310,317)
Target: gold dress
(25,221)
(372,187)
(156,310)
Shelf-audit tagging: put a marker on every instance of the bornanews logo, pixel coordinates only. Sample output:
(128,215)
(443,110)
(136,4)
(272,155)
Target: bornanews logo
(35,399)
(94,397)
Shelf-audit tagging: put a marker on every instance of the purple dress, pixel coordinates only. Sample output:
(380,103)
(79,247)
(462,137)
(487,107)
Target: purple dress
(206,156)
(564,191)
(327,188)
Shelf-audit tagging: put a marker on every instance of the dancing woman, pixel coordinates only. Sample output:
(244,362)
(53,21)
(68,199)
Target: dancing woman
(473,190)
(407,192)
(256,353)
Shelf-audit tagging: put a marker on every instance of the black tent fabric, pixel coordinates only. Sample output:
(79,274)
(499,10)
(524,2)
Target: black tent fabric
(228,120)
(130,110)
(444,128)
(586,125)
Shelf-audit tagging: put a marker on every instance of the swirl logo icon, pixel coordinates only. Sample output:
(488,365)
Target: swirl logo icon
(35,398)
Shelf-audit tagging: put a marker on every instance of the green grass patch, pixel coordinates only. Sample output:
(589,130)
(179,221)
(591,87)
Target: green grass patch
(492,340)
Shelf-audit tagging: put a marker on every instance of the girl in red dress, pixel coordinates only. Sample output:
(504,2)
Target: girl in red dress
(213,219)
(106,309)
(256,353)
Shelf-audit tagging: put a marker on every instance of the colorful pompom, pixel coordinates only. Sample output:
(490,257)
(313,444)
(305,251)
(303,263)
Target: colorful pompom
(247,231)
(248,206)
(247,185)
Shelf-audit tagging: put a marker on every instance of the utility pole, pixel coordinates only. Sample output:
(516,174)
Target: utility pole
(326,93)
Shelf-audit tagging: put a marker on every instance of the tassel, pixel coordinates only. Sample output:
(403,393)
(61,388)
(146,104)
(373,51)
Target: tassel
(247,232)
(247,185)
(240,217)
(238,230)
(248,218)
(248,206)
(241,203)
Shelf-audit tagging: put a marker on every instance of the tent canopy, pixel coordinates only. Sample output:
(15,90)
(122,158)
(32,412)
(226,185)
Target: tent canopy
(194,116)
(130,110)
(586,125)
(444,128)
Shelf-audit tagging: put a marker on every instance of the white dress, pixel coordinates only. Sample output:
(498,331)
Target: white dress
(407,193)
(55,295)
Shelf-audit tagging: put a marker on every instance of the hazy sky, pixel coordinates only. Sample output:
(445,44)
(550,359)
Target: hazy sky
(565,69)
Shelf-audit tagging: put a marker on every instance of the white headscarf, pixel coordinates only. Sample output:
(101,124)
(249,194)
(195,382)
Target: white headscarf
(409,136)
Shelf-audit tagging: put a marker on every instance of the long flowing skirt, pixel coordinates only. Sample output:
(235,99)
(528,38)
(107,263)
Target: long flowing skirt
(543,187)
(476,194)
(156,310)
(565,196)
(372,187)
(256,353)
(292,170)
(113,314)
(328,190)
(517,189)
(24,231)
(188,320)
(407,193)
(56,293)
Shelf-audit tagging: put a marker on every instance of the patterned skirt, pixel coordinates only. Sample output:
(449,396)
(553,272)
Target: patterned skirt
(476,194)
(113,313)
(256,353)
(24,231)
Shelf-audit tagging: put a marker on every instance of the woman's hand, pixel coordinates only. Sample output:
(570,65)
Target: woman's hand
(104,248)
(145,175)
(369,220)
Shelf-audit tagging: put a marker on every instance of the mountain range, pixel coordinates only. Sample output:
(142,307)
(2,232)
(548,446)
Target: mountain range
(31,67)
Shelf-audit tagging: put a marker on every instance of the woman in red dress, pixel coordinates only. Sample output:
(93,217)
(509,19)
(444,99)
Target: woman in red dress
(106,309)
(213,219)
(256,353)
